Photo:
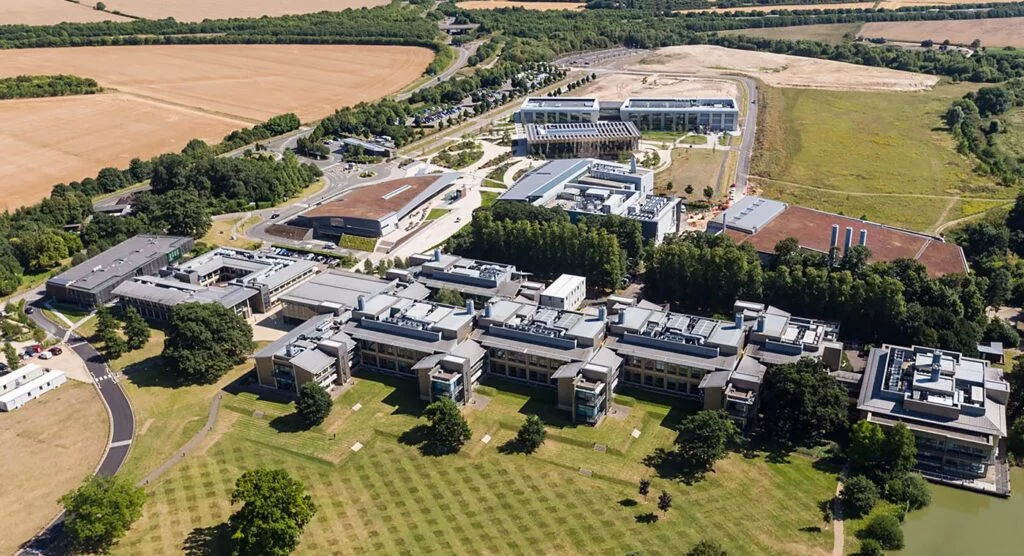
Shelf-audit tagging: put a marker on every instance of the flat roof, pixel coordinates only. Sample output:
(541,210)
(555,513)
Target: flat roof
(603,130)
(813,229)
(683,104)
(751,213)
(336,286)
(380,200)
(563,284)
(560,102)
(544,178)
(119,262)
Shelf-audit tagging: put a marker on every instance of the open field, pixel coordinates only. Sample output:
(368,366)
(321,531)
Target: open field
(794,8)
(620,86)
(781,70)
(51,140)
(697,167)
(220,232)
(49,447)
(387,498)
(48,12)
(543,6)
(880,155)
(992,32)
(831,33)
(198,10)
(162,96)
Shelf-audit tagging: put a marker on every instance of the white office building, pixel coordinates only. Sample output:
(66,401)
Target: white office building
(565,294)
(26,384)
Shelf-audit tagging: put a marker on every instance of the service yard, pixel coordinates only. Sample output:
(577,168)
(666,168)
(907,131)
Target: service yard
(160,97)
(198,10)
(48,12)
(991,32)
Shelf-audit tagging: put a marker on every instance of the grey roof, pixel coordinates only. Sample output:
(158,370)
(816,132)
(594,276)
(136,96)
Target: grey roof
(170,293)
(717,379)
(750,370)
(680,104)
(469,349)
(538,182)
(440,346)
(575,354)
(568,370)
(606,357)
(693,361)
(300,330)
(581,131)
(337,286)
(119,262)
(414,290)
(750,214)
(313,360)
(429,362)
(994,348)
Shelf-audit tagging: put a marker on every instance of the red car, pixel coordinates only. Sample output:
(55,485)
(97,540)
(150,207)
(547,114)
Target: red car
(55,350)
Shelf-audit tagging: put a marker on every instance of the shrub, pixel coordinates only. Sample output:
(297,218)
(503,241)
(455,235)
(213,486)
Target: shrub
(859,495)
(885,529)
(870,547)
(314,404)
(910,490)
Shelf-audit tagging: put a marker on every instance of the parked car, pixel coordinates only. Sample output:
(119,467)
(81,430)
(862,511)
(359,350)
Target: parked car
(29,310)
(275,215)
(34,349)
(46,355)
(56,350)
(3,366)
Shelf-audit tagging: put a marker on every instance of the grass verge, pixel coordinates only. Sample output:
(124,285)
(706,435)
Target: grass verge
(359,243)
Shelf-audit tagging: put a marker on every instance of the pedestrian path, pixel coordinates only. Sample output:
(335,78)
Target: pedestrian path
(211,419)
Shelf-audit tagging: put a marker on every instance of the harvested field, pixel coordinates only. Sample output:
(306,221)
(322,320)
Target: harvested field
(619,86)
(992,32)
(49,12)
(829,33)
(893,4)
(794,8)
(242,81)
(162,96)
(50,446)
(542,6)
(782,70)
(198,10)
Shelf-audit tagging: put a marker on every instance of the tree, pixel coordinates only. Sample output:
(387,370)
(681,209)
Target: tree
(106,324)
(101,6)
(802,404)
(645,487)
(136,329)
(899,450)
(709,192)
(448,429)
(314,404)
(689,189)
(707,547)
(909,490)
(100,511)
(664,501)
(1015,440)
(205,340)
(703,439)
(865,449)
(885,529)
(275,509)
(531,434)
(11,355)
(449,296)
(859,495)
(115,346)
(182,212)
(870,547)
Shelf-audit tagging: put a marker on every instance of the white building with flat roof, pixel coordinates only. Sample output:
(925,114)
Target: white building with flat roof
(27,383)
(566,293)
(558,110)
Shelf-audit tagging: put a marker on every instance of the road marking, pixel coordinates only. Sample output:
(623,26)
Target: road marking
(72,346)
(121,443)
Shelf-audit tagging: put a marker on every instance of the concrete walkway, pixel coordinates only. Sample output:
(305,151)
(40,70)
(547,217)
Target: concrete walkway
(838,530)
(211,419)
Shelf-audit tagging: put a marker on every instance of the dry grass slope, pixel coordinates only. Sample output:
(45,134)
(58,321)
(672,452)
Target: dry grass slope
(49,12)
(198,10)
(991,32)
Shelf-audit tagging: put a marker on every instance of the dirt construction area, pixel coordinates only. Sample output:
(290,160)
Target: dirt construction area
(779,70)
(48,12)
(542,6)
(620,86)
(198,10)
(50,445)
(160,97)
(991,32)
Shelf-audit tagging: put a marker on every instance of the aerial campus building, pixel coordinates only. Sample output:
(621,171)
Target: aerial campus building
(570,140)
(668,114)
(763,223)
(589,187)
(27,383)
(473,279)
(92,282)
(955,406)
(337,291)
(315,351)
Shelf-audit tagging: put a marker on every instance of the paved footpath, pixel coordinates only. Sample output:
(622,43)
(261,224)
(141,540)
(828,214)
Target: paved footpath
(211,419)
(838,530)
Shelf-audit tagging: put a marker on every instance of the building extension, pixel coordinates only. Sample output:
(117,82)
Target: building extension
(667,114)
(588,187)
(374,210)
(92,282)
(473,279)
(337,291)
(315,351)
(27,383)
(602,139)
(763,223)
(955,406)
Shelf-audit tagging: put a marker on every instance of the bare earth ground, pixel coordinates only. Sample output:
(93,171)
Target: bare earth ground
(619,86)
(48,12)
(795,8)
(198,10)
(495,4)
(160,97)
(992,32)
(782,70)
(49,446)
(893,4)
(46,141)
(248,81)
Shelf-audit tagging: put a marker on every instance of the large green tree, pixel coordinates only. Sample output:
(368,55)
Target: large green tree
(136,329)
(100,511)
(531,434)
(205,340)
(11,355)
(703,439)
(859,495)
(448,429)
(449,296)
(801,403)
(275,509)
(314,404)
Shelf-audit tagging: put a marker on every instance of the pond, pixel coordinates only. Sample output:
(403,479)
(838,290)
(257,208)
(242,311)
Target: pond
(964,522)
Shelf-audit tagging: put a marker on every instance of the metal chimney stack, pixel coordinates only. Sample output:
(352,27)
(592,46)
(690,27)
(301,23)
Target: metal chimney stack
(833,241)
(848,240)
(863,237)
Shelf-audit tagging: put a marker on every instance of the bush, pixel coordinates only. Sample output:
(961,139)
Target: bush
(314,404)
(531,434)
(870,547)
(885,529)
(859,495)
(707,548)
(910,490)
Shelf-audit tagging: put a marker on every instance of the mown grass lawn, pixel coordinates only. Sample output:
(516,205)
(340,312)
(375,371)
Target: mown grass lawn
(387,498)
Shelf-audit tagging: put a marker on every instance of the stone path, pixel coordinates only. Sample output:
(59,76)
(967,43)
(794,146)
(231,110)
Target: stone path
(211,419)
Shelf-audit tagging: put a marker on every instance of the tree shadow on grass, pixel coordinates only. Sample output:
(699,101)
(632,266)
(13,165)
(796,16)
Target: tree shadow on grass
(208,541)
(647,518)
(627,502)
(152,372)
(419,437)
(289,423)
(514,446)
(667,466)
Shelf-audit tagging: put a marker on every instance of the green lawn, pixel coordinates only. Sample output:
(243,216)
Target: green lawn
(488,198)
(823,148)
(696,167)
(695,140)
(359,243)
(390,499)
(436,213)
(665,136)
(831,33)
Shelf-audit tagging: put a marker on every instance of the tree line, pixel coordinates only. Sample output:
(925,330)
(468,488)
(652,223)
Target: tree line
(975,123)
(38,86)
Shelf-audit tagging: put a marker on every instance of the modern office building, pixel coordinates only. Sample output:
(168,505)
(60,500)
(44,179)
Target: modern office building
(763,223)
(473,279)
(424,341)
(670,114)
(776,337)
(955,406)
(92,282)
(315,351)
(589,187)
(246,282)
(27,383)
(337,291)
(552,348)
(608,140)
(566,293)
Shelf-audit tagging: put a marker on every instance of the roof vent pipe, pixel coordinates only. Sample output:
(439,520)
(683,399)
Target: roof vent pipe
(760,323)
(739,320)
(621,317)
(602,313)
(863,237)
(936,364)
(833,241)
(487,310)
(470,308)
(848,240)
(361,303)
(437,253)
